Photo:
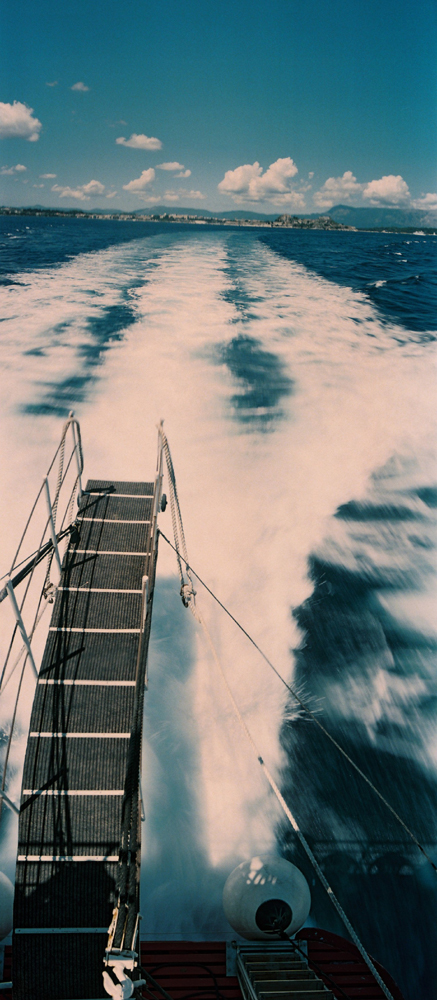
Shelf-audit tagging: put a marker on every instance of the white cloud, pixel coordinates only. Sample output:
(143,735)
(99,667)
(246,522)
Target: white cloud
(170,166)
(248,183)
(337,189)
(428,201)
(68,192)
(54,83)
(182,173)
(80,86)
(388,190)
(111,194)
(12,170)
(81,193)
(93,187)
(311,175)
(146,177)
(139,142)
(47,177)
(38,185)
(17,122)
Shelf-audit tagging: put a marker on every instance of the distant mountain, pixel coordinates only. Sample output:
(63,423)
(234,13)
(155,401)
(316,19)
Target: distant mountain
(361,218)
(204,213)
(369,218)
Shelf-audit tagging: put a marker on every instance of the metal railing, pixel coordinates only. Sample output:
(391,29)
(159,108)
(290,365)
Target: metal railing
(123,931)
(42,527)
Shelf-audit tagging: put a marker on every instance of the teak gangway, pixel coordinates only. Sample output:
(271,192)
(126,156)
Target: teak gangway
(79,829)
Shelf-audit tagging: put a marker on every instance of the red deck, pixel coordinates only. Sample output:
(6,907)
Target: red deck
(339,962)
(184,967)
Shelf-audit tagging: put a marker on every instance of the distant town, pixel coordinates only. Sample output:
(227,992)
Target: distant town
(392,221)
(293,221)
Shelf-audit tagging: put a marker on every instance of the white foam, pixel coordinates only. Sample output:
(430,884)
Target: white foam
(255,505)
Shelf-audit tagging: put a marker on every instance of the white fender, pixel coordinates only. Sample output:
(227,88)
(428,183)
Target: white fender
(265,896)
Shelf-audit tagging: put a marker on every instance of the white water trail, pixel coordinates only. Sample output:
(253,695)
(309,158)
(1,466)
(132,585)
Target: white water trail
(254,505)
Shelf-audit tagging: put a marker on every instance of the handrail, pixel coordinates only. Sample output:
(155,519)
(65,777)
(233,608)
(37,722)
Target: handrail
(246,985)
(48,549)
(124,925)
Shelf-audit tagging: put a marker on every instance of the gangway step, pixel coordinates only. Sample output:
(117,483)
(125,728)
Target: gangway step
(74,783)
(277,973)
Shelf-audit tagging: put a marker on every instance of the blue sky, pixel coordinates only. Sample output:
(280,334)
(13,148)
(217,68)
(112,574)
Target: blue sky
(292,105)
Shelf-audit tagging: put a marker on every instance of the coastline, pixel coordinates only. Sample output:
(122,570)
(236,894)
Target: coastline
(322,223)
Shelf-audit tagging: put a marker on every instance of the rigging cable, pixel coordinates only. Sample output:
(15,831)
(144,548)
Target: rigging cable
(189,599)
(307,710)
(291,818)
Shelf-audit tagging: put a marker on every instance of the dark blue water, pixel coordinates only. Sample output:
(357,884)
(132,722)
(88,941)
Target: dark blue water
(397,272)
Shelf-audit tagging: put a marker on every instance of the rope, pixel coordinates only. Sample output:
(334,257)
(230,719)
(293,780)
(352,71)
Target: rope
(311,714)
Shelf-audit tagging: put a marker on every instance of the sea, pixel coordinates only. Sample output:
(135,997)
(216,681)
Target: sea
(295,374)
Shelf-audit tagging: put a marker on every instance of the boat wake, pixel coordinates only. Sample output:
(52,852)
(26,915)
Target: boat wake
(301,430)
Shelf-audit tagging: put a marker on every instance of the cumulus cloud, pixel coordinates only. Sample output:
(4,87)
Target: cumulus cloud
(12,170)
(69,192)
(141,182)
(388,190)
(93,187)
(81,193)
(17,122)
(38,185)
(174,165)
(140,142)
(427,201)
(80,86)
(111,194)
(338,189)
(54,83)
(47,177)
(249,183)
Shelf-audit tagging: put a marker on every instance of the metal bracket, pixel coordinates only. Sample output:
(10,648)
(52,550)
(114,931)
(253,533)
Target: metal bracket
(129,958)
